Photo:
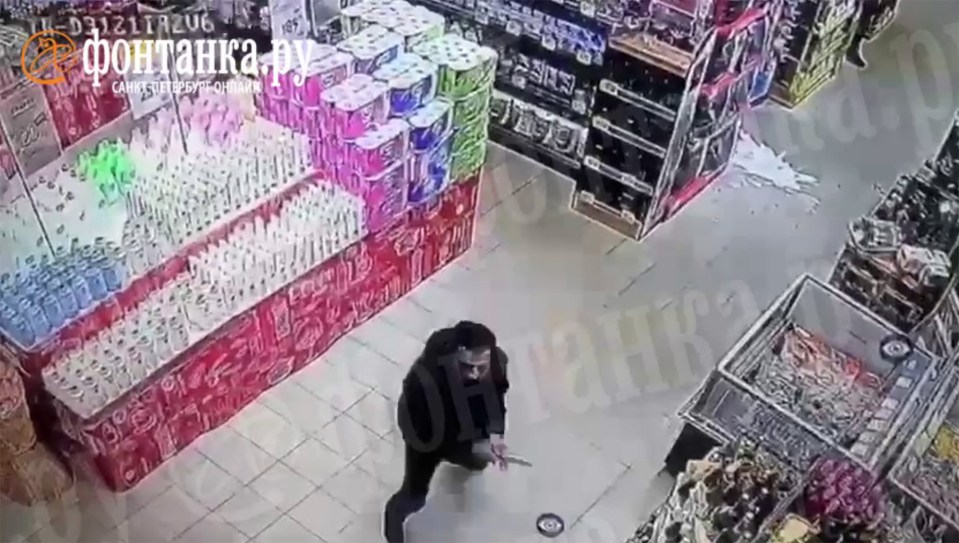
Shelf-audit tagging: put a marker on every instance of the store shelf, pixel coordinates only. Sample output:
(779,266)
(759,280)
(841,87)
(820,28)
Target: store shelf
(526,147)
(623,224)
(922,473)
(534,94)
(628,179)
(617,91)
(608,128)
(650,50)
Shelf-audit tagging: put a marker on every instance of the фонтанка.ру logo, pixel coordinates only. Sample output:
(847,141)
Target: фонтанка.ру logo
(47,56)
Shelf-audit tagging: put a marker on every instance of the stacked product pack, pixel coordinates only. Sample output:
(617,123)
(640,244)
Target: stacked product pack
(395,111)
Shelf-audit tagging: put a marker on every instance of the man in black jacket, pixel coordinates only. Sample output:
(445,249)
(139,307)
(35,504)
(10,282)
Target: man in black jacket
(453,397)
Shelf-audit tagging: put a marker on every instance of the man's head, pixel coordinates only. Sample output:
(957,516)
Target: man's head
(475,344)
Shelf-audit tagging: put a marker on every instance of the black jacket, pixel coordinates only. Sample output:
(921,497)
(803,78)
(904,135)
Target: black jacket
(437,411)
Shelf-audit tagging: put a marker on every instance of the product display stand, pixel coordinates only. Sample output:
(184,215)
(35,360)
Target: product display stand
(815,36)
(233,241)
(551,57)
(880,15)
(817,373)
(29,473)
(728,495)
(945,166)
(926,470)
(826,391)
(668,111)
(901,259)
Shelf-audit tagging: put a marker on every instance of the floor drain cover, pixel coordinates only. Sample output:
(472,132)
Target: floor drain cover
(895,348)
(550,524)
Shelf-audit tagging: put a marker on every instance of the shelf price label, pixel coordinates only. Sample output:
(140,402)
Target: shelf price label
(33,137)
(514,27)
(549,42)
(587,8)
(579,106)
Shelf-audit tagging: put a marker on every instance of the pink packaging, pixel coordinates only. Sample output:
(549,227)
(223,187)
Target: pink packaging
(316,154)
(323,74)
(261,103)
(280,111)
(332,96)
(285,81)
(380,149)
(295,117)
(312,118)
(356,114)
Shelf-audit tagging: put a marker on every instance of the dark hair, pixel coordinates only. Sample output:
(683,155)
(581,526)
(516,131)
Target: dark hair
(473,335)
(441,344)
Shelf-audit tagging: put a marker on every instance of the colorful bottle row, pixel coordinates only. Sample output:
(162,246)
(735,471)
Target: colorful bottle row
(48,293)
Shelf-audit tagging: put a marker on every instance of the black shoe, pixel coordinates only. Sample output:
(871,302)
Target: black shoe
(393,530)
(854,57)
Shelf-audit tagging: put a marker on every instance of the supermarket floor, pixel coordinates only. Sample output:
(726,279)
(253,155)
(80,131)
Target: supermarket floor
(606,337)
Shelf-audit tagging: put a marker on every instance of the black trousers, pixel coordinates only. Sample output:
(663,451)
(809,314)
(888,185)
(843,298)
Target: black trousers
(418,472)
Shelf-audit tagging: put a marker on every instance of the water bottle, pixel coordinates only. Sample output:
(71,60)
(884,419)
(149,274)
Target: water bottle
(67,299)
(21,331)
(108,269)
(98,287)
(81,290)
(52,311)
(37,320)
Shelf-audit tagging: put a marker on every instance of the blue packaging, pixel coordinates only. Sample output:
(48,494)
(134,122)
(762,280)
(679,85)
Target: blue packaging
(94,279)
(68,302)
(37,321)
(373,55)
(81,290)
(20,330)
(429,171)
(429,124)
(52,311)
(412,82)
(111,274)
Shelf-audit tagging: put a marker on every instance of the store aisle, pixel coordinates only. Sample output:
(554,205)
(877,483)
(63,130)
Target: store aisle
(607,339)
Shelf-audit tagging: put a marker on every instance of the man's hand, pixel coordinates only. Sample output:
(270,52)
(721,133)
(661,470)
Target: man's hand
(497,446)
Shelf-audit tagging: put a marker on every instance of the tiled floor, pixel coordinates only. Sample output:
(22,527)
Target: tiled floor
(606,339)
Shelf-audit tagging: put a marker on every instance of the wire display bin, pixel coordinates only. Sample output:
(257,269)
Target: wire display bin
(817,372)
(928,470)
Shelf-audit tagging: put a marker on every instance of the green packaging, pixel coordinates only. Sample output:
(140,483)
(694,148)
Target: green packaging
(466,72)
(468,161)
(469,134)
(471,107)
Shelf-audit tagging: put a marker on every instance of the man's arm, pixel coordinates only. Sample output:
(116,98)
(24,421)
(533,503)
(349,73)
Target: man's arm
(497,423)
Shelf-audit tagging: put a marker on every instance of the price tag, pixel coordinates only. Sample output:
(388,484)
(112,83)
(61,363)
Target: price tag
(150,98)
(33,136)
(519,81)
(535,27)
(587,8)
(549,42)
(584,57)
(514,27)
(288,19)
